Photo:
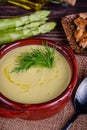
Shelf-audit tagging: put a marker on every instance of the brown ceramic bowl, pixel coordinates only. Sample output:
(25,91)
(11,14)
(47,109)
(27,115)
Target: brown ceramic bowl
(13,109)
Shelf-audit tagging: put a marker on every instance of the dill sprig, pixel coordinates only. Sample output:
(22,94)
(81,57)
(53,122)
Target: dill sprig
(37,58)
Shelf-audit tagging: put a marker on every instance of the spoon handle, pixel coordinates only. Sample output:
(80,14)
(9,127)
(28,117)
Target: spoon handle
(70,121)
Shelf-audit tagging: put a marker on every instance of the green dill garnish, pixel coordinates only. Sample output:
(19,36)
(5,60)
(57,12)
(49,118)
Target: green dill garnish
(37,58)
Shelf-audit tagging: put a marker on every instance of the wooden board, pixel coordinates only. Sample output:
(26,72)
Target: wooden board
(57,12)
(9,10)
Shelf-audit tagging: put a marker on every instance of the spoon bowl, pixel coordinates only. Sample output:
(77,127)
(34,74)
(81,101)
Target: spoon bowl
(80,103)
(80,100)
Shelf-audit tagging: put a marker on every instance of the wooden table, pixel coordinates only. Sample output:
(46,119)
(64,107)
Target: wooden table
(57,121)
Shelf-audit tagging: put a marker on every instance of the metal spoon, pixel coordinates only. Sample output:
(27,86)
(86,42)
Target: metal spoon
(80,103)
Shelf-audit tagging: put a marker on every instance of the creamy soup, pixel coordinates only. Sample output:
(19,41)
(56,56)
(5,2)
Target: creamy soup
(36,85)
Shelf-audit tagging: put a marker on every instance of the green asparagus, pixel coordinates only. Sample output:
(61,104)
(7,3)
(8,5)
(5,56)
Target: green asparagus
(19,21)
(26,26)
(23,33)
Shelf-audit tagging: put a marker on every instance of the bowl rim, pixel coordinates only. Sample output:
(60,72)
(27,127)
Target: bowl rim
(63,49)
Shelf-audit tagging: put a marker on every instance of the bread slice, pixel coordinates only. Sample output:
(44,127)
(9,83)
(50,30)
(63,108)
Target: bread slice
(69,29)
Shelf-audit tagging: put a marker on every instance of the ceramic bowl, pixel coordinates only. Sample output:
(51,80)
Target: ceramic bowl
(13,109)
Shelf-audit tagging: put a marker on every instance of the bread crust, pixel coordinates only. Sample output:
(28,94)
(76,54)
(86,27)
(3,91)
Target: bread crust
(69,29)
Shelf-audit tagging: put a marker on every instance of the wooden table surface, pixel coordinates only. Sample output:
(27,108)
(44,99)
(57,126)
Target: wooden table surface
(57,11)
(57,121)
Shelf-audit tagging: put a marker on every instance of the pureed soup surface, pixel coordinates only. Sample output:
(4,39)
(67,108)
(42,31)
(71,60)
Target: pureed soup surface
(36,85)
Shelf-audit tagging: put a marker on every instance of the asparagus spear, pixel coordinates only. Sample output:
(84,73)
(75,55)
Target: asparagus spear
(15,35)
(27,26)
(19,21)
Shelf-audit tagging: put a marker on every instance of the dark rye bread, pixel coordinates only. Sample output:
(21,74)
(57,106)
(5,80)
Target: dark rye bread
(69,28)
